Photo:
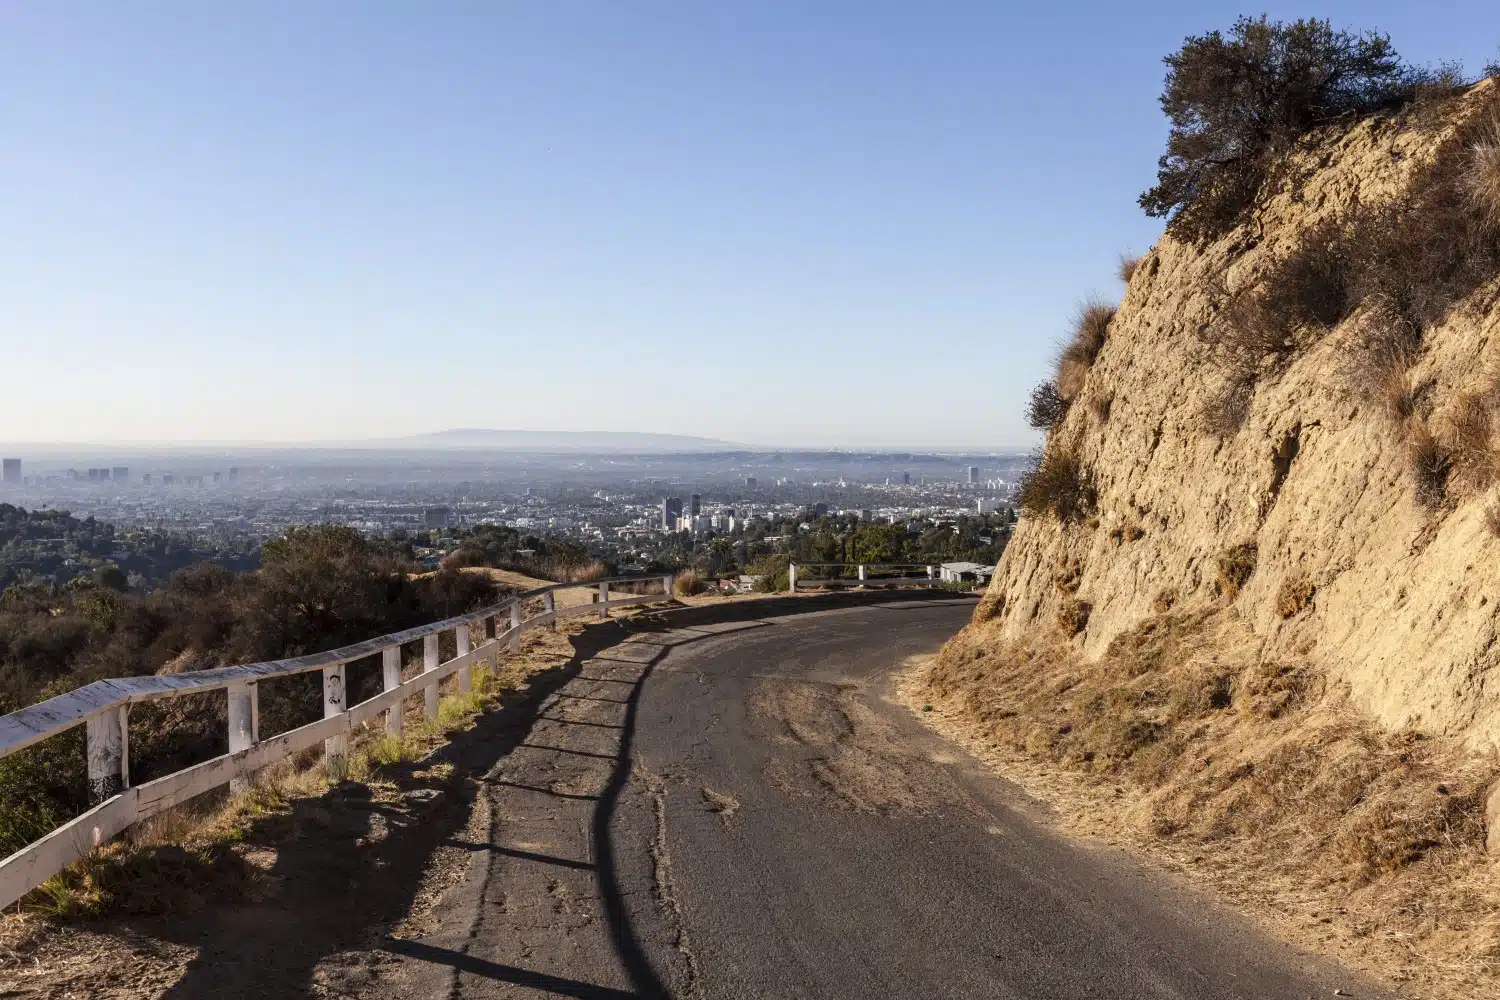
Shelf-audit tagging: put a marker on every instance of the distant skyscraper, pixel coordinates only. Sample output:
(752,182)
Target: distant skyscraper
(217,476)
(973,475)
(906,479)
(695,504)
(750,482)
(94,475)
(820,510)
(12,468)
(234,473)
(671,512)
(120,473)
(437,517)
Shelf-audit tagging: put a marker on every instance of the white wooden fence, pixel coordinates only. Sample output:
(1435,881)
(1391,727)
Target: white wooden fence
(103,709)
(864,579)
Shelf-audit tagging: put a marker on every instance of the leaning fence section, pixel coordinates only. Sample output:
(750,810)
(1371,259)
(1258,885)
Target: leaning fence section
(103,710)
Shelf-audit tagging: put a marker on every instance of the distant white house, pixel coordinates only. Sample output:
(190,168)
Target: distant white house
(965,572)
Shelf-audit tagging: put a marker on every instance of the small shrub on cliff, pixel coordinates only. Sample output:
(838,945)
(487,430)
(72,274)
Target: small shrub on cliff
(1047,407)
(1060,485)
(1310,286)
(1239,102)
(1090,329)
(1492,518)
(1073,616)
(1482,181)
(1468,434)
(1294,594)
(1127,266)
(1235,567)
(1379,366)
(1430,465)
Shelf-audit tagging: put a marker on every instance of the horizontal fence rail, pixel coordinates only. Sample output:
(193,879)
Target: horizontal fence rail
(103,709)
(929,578)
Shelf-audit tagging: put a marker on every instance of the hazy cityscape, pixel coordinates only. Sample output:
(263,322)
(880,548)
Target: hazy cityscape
(624,508)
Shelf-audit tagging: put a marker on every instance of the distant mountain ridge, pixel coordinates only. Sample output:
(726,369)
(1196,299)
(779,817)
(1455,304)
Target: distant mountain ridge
(515,440)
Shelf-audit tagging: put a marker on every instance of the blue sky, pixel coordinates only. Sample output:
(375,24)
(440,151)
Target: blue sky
(846,223)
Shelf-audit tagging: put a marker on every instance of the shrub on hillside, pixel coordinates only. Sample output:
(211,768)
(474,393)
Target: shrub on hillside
(1090,329)
(1469,437)
(1047,407)
(1482,182)
(1127,266)
(1294,594)
(1430,465)
(1060,485)
(688,583)
(1239,102)
(1235,565)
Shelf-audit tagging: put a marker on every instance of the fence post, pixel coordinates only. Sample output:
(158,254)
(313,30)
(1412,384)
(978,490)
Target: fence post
(390,671)
(515,625)
(465,674)
(549,605)
(604,599)
(335,748)
(667,581)
(241,727)
(430,663)
(861,572)
(104,745)
(791,576)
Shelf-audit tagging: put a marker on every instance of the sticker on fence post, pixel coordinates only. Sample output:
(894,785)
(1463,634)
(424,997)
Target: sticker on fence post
(335,748)
(104,745)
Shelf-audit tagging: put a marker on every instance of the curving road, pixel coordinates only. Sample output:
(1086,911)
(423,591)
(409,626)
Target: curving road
(729,804)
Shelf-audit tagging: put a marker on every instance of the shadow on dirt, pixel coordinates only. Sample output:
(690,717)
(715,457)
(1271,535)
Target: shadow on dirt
(348,868)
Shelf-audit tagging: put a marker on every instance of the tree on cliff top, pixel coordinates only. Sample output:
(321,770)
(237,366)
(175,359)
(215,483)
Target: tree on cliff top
(1238,102)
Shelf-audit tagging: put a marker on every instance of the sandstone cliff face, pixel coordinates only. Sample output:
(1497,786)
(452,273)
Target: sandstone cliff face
(1404,600)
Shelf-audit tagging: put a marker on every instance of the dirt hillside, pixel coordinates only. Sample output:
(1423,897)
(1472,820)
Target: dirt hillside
(1403,599)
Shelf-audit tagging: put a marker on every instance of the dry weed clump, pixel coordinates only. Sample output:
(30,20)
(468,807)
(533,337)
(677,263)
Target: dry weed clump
(1378,369)
(1468,434)
(1061,485)
(1129,264)
(1482,182)
(1090,330)
(1284,796)
(1430,464)
(689,583)
(1294,595)
(1235,566)
(1073,616)
(1492,518)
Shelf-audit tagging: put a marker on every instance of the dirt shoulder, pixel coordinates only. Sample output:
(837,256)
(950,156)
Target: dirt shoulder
(1260,782)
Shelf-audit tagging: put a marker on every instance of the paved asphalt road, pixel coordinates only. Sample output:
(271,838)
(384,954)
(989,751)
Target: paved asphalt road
(734,807)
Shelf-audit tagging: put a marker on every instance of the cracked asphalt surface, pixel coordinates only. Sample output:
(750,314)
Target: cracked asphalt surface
(726,804)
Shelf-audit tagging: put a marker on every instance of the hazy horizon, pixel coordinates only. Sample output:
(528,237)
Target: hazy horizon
(422,441)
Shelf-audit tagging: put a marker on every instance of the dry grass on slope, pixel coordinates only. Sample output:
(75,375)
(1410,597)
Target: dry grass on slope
(1257,779)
